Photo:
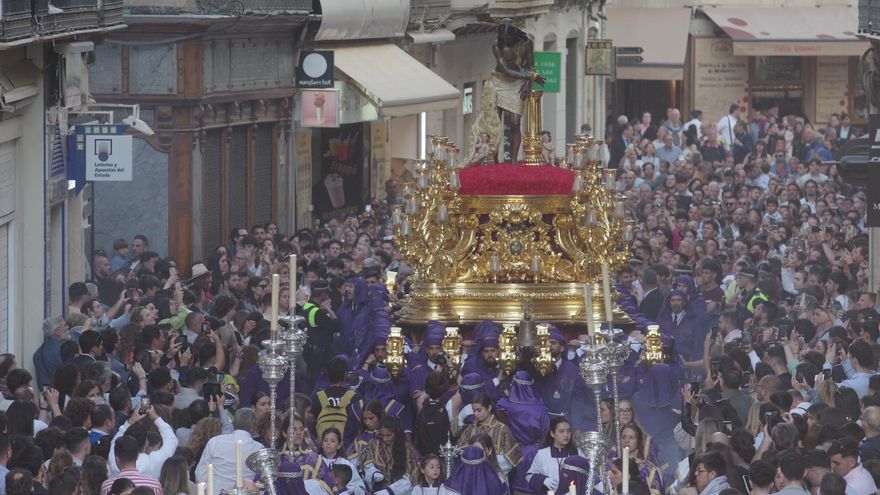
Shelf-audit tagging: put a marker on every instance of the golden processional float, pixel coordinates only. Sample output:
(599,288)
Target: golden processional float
(502,256)
(517,244)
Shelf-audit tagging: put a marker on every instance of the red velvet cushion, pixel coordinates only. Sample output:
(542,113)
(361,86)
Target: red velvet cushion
(515,179)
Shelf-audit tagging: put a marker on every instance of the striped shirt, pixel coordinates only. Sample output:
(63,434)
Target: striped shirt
(136,477)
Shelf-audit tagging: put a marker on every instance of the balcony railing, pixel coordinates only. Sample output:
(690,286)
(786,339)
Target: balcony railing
(24,19)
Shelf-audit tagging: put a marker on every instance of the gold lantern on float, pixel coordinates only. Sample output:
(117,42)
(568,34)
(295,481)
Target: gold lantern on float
(542,359)
(653,345)
(507,346)
(391,281)
(452,349)
(394,362)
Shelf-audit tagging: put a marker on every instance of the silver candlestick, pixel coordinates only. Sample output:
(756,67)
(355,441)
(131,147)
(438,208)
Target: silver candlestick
(265,462)
(595,374)
(592,444)
(294,340)
(613,356)
(448,452)
(272,365)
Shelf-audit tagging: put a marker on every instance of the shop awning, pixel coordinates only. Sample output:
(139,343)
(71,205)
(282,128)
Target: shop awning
(396,82)
(778,31)
(661,33)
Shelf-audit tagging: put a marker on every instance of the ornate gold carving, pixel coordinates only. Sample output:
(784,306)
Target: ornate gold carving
(476,256)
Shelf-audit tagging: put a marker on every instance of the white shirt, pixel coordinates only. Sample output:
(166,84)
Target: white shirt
(148,464)
(220,451)
(861,480)
(725,129)
(545,464)
(356,486)
(732,335)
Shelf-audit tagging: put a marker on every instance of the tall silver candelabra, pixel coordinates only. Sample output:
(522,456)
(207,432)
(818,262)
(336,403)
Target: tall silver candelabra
(273,365)
(613,356)
(448,452)
(595,374)
(294,340)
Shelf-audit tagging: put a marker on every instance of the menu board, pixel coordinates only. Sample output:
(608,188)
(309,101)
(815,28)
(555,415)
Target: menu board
(720,77)
(832,87)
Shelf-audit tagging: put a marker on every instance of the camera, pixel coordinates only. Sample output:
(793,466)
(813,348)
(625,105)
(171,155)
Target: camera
(440,359)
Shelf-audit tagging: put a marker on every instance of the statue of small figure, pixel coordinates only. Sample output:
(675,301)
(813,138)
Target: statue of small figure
(513,78)
(481,151)
(548,155)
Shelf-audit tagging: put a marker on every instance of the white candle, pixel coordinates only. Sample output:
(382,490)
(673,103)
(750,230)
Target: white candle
(571,489)
(588,309)
(239,478)
(210,479)
(292,308)
(200,488)
(606,289)
(276,283)
(624,487)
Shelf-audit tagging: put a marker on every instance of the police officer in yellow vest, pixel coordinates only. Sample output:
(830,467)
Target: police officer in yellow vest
(322,324)
(751,294)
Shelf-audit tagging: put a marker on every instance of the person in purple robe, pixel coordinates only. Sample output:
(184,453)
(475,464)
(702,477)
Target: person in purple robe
(564,391)
(429,352)
(685,325)
(290,479)
(380,386)
(353,316)
(485,360)
(253,382)
(574,469)
(658,402)
(525,414)
(474,475)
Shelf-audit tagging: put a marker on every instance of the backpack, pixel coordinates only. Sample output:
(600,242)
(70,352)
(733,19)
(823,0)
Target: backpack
(432,427)
(334,412)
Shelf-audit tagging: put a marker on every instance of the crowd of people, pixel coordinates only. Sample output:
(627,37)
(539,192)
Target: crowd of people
(750,254)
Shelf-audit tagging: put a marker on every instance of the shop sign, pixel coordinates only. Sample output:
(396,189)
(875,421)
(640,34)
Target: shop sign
(548,65)
(108,158)
(354,106)
(315,69)
(599,58)
(319,108)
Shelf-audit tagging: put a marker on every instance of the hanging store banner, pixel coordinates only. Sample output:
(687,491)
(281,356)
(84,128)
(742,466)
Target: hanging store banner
(549,65)
(599,58)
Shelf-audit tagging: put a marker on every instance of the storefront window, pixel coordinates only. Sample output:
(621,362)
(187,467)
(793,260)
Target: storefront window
(777,68)
(788,100)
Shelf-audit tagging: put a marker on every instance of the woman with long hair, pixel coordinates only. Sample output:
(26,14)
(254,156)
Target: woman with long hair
(256,288)
(65,380)
(544,471)
(175,477)
(303,446)
(508,451)
(20,418)
(430,476)
(203,431)
(371,417)
(389,462)
(94,473)
(263,427)
(631,436)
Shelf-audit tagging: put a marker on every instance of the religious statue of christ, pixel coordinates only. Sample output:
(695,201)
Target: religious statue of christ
(512,79)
